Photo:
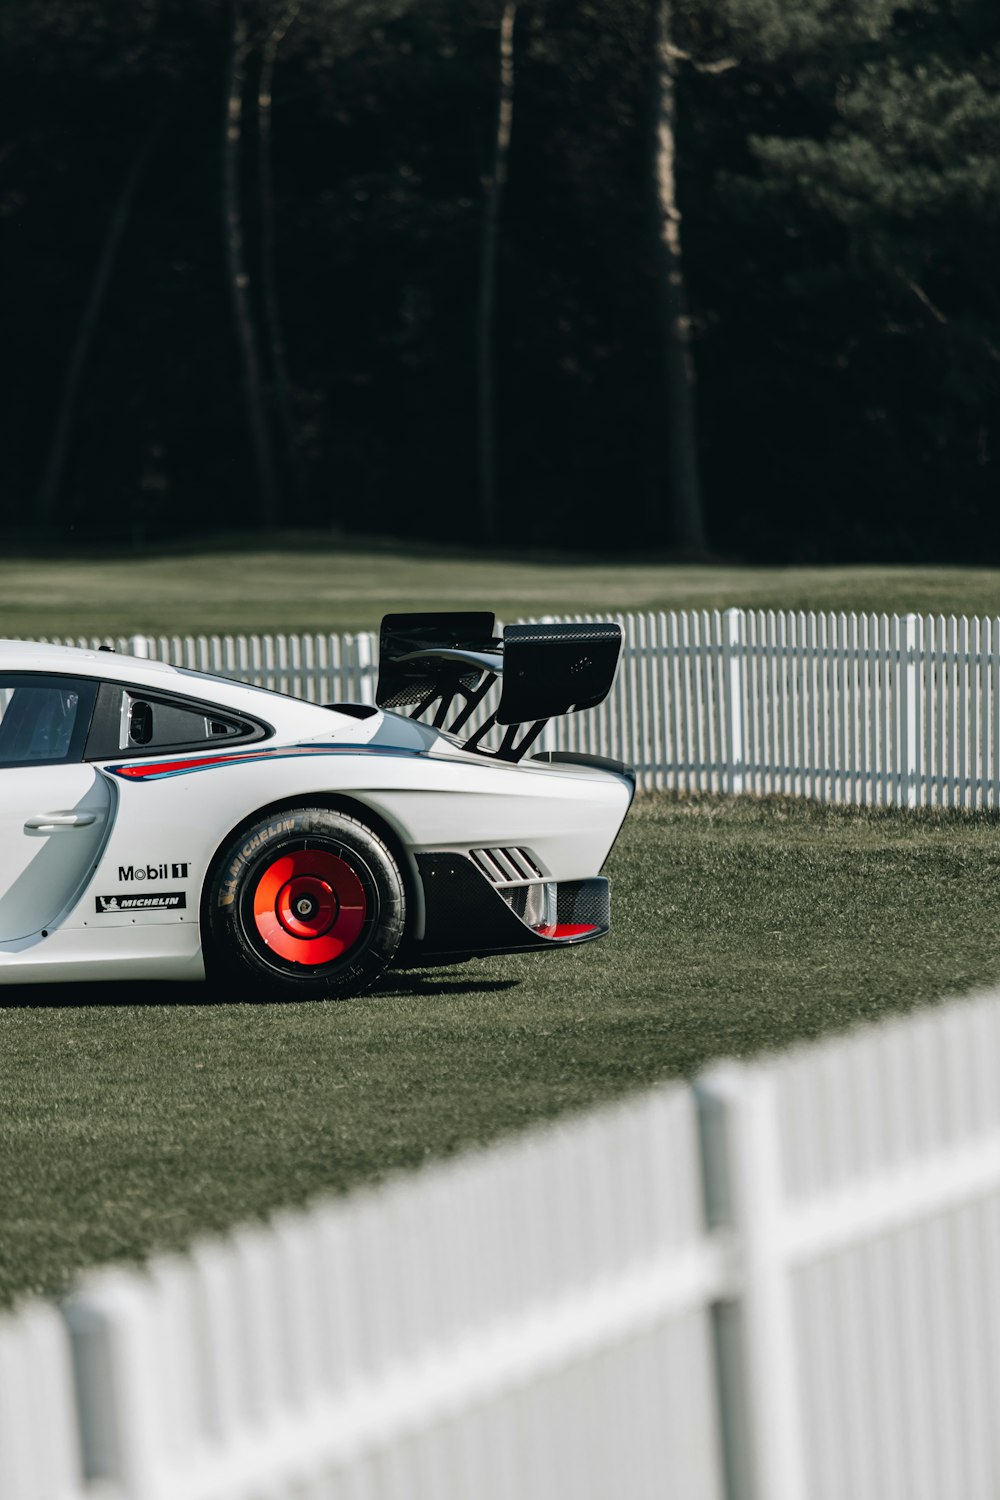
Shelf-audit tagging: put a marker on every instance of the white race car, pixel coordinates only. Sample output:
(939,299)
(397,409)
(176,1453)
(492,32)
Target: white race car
(157,823)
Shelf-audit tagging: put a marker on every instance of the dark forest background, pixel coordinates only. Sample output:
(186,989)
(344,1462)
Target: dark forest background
(454,271)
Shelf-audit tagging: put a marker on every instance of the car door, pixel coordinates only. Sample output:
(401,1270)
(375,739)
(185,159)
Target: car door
(54,808)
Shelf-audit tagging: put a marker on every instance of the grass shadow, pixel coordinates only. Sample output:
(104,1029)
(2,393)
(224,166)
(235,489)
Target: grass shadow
(118,993)
(124,994)
(431,984)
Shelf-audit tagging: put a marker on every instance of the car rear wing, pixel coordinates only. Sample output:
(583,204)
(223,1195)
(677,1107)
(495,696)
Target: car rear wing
(432,660)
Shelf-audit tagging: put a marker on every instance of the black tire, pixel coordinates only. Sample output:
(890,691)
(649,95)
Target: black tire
(307,904)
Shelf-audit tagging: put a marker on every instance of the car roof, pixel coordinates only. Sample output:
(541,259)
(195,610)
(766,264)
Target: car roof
(46,656)
(79,661)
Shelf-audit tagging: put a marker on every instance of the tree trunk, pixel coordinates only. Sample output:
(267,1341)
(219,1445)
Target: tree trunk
(493,188)
(680,425)
(239,279)
(272,312)
(48,492)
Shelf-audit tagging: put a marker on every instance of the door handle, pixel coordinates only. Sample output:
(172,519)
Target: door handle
(59,822)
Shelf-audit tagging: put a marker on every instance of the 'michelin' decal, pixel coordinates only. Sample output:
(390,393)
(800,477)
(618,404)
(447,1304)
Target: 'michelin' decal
(155,901)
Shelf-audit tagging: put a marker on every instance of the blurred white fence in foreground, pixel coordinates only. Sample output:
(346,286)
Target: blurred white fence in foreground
(847,708)
(780,1283)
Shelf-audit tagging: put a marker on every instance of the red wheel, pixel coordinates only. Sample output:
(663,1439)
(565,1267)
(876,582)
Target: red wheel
(307,904)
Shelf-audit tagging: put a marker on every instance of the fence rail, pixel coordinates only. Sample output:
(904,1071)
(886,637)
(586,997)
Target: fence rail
(846,708)
(781,1281)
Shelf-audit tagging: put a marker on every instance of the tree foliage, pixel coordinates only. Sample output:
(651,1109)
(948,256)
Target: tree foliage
(837,169)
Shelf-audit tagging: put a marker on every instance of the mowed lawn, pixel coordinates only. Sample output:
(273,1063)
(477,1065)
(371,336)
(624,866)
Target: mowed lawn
(318,584)
(137,1117)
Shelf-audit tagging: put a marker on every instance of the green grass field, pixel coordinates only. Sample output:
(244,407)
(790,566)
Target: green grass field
(316,584)
(136,1117)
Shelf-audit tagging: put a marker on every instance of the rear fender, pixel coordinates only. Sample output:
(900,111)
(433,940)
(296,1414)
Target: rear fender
(354,807)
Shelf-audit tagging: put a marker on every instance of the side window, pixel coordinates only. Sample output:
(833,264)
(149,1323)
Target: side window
(153,724)
(131,722)
(44,720)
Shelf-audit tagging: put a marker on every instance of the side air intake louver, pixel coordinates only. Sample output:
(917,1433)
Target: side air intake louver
(506,866)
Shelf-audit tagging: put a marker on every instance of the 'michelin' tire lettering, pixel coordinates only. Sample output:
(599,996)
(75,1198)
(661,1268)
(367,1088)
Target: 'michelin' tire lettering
(308,905)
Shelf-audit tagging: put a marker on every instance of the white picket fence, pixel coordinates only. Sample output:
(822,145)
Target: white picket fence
(780,1283)
(846,708)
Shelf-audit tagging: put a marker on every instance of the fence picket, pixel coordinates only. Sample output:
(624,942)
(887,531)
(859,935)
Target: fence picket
(827,706)
(977,788)
(672,677)
(941,714)
(951,710)
(659,667)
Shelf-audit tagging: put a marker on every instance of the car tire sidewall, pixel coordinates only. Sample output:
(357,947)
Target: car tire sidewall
(237,950)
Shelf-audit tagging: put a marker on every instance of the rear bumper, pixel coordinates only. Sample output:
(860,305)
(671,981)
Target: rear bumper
(466,917)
